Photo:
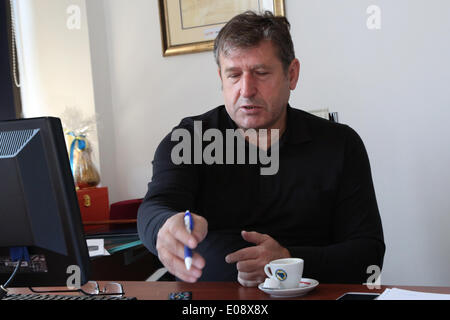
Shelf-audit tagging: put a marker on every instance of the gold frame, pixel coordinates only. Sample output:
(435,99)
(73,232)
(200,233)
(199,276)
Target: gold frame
(172,50)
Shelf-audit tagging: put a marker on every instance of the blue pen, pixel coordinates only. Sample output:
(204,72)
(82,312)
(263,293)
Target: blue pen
(189,223)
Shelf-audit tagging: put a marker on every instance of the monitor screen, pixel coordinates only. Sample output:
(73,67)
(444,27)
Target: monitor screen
(39,207)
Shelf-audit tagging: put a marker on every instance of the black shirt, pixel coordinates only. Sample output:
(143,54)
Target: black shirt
(320,205)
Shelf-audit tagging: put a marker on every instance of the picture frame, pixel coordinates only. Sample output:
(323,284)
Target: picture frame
(190,26)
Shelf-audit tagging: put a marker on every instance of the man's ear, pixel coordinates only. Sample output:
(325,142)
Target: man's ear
(294,73)
(220,76)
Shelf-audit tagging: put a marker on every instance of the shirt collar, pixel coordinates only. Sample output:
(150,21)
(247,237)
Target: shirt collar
(297,130)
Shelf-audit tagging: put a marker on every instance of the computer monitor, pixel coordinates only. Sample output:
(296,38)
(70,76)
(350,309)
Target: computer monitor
(39,207)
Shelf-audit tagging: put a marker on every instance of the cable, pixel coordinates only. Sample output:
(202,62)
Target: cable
(3,288)
(13,275)
(14,44)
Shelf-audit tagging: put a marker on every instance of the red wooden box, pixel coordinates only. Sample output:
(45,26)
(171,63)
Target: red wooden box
(94,204)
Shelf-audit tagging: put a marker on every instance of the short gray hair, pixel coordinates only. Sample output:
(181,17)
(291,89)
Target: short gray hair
(248,29)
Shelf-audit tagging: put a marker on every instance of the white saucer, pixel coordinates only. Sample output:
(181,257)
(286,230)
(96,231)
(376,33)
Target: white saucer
(305,286)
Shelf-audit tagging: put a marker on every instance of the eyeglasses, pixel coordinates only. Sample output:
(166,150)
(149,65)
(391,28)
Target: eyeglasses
(92,288)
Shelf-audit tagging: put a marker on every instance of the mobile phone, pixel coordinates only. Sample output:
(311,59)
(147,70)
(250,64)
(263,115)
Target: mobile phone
(358,296)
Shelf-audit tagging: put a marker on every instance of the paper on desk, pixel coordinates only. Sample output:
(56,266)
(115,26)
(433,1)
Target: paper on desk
(96,247)
(401,294)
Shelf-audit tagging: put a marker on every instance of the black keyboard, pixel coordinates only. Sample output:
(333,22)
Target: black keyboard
(36,296)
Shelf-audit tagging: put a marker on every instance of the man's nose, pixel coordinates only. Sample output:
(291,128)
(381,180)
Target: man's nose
(248,86)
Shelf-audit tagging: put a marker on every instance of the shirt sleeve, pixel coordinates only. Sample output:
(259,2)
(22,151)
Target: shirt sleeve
(357,234)
(171,190)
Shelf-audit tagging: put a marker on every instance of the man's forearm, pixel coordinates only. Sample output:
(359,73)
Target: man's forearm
(151,217)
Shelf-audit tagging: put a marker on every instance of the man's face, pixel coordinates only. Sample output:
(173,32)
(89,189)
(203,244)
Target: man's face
(256,89)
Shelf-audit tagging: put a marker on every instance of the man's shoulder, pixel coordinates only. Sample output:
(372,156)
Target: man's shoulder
(313,120)
(318,127)
(325,134)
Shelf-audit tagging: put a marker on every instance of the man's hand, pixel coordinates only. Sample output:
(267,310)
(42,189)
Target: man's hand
(172,237)
(251,261)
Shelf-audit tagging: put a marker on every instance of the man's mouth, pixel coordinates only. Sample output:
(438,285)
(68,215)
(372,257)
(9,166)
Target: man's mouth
(250,107)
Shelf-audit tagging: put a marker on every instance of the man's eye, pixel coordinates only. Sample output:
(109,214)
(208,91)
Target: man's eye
(233,76)
(262,73)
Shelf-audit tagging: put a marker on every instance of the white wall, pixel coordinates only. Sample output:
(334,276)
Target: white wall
(146,95)
(391,85)
(55,62)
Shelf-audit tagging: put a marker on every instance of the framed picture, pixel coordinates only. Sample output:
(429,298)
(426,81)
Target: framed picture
(189,26)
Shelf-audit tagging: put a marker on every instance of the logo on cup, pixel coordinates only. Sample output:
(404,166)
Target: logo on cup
(281,274)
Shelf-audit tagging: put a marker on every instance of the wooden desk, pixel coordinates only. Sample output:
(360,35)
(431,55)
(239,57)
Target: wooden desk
(234,291)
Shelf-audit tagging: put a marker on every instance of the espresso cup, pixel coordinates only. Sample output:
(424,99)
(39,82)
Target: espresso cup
(287,271)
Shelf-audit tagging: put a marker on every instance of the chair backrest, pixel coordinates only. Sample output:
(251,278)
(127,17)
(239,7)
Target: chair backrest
(124,209)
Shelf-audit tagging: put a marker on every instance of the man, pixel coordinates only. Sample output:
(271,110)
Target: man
(319,205)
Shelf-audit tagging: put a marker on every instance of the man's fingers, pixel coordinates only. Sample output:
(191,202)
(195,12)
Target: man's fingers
(243,254)
(247,253)
(171,240)
(173,245)
(251,265)
(251,261)
(176,266)
(176,248)
(252,276)
(174,262)
(254,237)
(198,261)
(200,227)
(249,282)
(180,233)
